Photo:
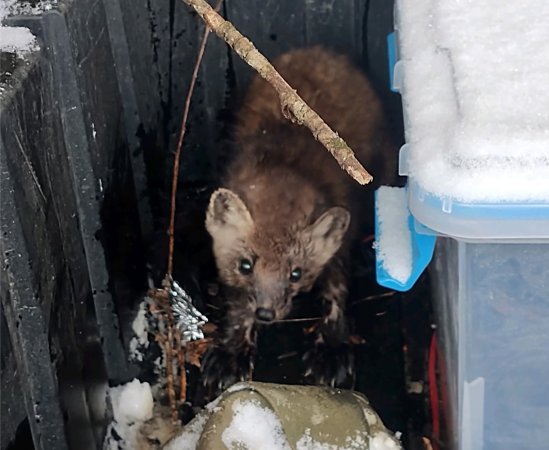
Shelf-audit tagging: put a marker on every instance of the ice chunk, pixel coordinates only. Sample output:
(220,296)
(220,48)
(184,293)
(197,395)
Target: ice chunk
(394,242)
(132,405)
(132,402)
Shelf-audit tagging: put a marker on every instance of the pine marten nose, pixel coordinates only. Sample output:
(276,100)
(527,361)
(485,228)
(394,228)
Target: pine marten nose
(264,314)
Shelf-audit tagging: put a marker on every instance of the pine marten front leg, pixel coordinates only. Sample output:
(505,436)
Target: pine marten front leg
(231,358)
(331,360)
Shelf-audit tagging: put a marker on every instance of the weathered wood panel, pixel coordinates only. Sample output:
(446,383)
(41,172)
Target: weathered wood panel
(273,26)
(164,37)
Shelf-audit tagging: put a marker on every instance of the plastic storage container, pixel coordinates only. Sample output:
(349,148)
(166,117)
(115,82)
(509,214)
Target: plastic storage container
(492,307)
(491,291)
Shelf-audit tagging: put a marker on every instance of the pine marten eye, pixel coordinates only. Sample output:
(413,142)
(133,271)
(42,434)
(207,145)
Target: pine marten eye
(245,266)
(295,275)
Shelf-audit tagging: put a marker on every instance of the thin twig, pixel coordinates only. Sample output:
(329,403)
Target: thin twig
(162,310)
(31,170)
(286,355)
(304,319)
(168,350)
(293,106)
(180,349)
(174,335)
(373,297)
(176,163)
(426,443)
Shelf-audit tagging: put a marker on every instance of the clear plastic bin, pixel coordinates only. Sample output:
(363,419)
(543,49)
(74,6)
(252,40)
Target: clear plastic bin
(491,293)
(492,307)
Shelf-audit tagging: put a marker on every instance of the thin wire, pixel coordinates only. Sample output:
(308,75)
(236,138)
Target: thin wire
(175,176)
(433,391)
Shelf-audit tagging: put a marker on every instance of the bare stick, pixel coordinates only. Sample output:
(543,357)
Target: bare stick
(163,312)
(170,376)
(168,351)
(181,350)
(174,335)
(175,176)
(293,106)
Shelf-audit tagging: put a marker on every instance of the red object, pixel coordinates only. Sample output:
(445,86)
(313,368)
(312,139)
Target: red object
(433,391)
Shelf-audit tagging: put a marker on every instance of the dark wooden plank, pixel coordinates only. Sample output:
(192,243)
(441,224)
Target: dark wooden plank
(160,28)
(378,24)
(142,31)
(213,88)
(333,24)
(184,43)
(273,26)
(361,7)
(204,127)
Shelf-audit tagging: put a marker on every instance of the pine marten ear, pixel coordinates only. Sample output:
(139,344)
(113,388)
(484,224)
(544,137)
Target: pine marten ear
(227,218)
(326,235)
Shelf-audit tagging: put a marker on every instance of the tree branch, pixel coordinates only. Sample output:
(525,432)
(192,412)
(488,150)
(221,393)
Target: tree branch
(293,106)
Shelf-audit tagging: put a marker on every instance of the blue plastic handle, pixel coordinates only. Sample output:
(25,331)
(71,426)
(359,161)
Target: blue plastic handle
(423,246)
(392,59)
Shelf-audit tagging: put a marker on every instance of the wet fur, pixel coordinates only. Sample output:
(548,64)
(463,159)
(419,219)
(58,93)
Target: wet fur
(286,202)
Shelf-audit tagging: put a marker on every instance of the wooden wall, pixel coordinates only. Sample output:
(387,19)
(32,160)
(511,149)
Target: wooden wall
(163,38)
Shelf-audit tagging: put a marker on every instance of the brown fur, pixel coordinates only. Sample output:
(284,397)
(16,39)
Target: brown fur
(286,202)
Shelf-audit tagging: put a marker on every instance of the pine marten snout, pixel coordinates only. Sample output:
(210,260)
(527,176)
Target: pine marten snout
(286,216)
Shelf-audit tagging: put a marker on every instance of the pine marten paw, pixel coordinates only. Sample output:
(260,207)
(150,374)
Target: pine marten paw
(330,365)
(222,368)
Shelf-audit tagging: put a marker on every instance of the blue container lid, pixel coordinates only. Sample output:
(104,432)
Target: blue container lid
(490,222)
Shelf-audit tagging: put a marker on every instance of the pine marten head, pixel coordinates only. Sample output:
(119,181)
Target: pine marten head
(270,264)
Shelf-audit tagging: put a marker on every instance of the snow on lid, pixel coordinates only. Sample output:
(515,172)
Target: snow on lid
(475,97)
(254,427)
(394,245)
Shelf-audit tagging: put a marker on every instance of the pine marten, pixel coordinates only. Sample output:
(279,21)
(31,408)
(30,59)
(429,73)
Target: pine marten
(287,214)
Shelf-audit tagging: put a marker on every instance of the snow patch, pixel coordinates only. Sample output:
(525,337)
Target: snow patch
(357,442)
(132,405)
(132,402)
(383,441)
(19,39)
(394,245)
(140,327)
(254,427)
(476,110)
